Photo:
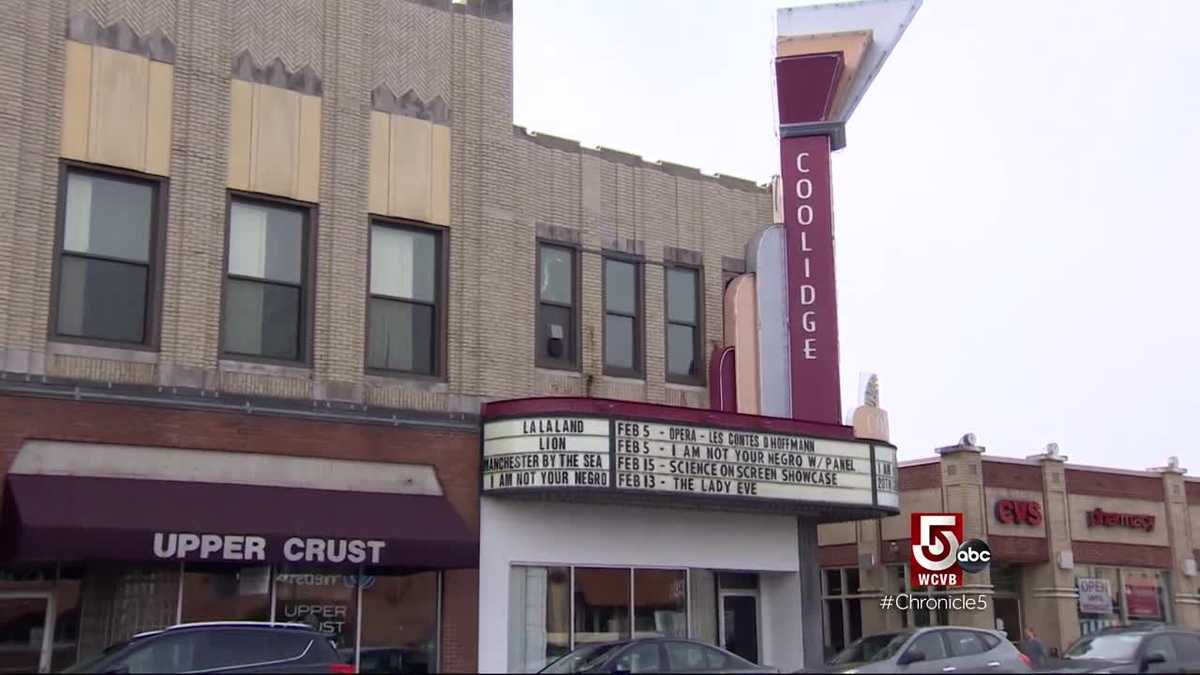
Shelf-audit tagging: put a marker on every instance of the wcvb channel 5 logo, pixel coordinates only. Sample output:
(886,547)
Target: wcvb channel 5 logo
(939,554)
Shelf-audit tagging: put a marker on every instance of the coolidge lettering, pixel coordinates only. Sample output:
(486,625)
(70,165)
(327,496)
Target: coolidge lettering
(552,425)
(186,545)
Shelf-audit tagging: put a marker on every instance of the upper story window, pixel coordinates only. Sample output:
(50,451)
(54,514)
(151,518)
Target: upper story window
(108,257)
(405,310)
(557,317)
(684,315)
(266,296)
(622,317)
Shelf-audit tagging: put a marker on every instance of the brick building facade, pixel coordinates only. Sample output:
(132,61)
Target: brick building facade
(346,117)
(1074,548)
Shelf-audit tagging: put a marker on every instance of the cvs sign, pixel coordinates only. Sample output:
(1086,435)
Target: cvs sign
(1018,512)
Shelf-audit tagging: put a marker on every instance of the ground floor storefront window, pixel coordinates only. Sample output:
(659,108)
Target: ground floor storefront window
(555,609)
(389,623)
(39,618)
(939,616)
(1110,596)
(841,607)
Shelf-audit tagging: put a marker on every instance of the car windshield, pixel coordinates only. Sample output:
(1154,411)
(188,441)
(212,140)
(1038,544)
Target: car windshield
(871,648)
(582,659)
(1113,647)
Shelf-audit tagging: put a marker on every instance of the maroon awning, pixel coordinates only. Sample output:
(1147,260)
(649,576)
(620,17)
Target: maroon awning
(75,518)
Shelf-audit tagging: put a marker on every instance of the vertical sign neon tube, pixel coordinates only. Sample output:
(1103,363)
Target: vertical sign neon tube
(812,297)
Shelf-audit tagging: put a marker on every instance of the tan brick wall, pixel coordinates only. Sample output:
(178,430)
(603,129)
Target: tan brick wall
(504,184)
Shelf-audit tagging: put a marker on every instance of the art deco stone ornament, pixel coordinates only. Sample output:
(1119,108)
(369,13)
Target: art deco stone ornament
(871,396)
(868,419)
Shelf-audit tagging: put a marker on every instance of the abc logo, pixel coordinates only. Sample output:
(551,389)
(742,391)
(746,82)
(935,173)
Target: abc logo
(974,555)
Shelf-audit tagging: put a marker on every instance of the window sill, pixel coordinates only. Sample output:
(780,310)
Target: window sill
(687,386)
(379,380)
(273,370)
(549,370)
(625,379)
(91,351)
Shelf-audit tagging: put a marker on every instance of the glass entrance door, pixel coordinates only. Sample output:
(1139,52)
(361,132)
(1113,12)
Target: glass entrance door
(1008,616)
(26,632)
(739,624)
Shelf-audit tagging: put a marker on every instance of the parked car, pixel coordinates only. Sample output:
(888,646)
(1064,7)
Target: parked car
(652,655)
(937,649)
(227,647)
(1137,648)
(388,660)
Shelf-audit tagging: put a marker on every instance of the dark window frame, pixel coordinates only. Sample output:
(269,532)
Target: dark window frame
(440,347)
(307,286)
(638,371)
(576,315)
(155,258)
(700,378)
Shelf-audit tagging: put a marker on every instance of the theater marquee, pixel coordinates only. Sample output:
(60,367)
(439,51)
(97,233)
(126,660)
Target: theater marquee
(663,458)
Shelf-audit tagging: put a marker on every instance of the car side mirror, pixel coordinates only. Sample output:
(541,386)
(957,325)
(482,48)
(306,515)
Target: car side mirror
(1154,657)
(911,656)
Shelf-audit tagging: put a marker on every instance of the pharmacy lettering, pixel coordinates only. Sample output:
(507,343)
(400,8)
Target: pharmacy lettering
(1136,521)
(229,547)
(637,456)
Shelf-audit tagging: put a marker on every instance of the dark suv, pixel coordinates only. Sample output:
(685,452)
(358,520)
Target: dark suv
(1139,648)
(221,647)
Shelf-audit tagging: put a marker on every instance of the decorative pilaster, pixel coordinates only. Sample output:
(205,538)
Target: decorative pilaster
(1185,581)
(1051,599)
(962,492)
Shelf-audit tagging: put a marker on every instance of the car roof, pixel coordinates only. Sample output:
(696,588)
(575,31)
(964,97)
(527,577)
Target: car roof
(277,625)
(926,629)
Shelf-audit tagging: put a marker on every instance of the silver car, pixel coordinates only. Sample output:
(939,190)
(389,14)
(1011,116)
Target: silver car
(937,649)
(652,655)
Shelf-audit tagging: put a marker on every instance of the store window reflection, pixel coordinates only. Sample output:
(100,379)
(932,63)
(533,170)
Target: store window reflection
(605,603)
(216,593)
(660,603)
(66,622)
(539,617)
(399,624)
(324,601)
(601,604)
(1111,596)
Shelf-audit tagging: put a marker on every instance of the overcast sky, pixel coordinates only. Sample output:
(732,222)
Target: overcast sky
(1015,209)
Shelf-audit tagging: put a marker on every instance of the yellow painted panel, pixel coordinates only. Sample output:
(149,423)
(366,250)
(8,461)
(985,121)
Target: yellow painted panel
(308,168)
(158,118)
(410,160)
(120,84)
(241,124)
(274,154)
(77,100)
(440,175)
(379,178)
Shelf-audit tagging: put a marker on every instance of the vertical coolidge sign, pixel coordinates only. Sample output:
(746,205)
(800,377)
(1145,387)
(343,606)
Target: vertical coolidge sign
(812,301)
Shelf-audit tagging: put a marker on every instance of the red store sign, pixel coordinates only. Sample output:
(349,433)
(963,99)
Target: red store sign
(1018,512)
(1135,521)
